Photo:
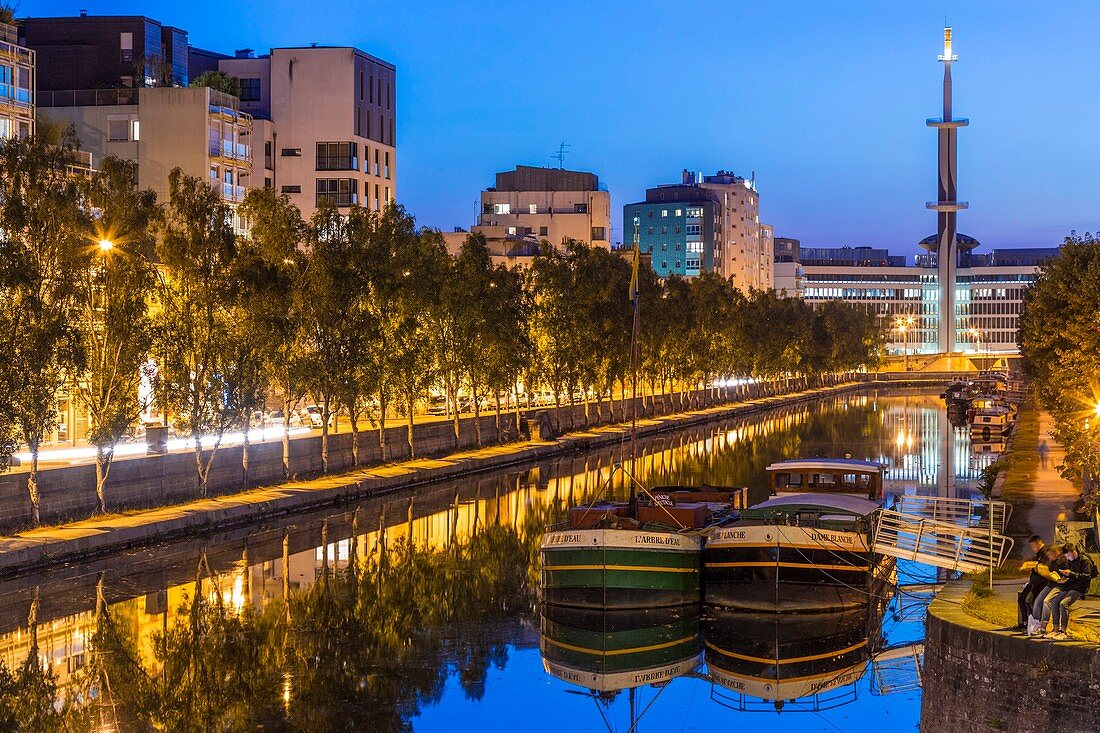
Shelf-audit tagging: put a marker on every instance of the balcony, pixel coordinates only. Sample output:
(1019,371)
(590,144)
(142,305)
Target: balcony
(232,193)
(229,150)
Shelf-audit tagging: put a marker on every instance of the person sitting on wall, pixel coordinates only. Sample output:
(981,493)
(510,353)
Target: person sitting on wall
(1049,569)
(1078,574)
(1025,599)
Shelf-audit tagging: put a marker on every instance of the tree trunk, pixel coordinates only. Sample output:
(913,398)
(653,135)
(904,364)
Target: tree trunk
(410,402)
(477,415)
(354,438)
(452,395)
(382,425)
(500,438)
(515,391)
(32,482)
(324,436)
(102,466)
(286,438)
(198,468)
(244,449)
(587,402)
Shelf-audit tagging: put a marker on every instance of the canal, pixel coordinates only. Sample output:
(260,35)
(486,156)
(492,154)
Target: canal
(420,612)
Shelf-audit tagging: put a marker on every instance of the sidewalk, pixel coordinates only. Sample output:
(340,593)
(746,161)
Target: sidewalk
(100,535)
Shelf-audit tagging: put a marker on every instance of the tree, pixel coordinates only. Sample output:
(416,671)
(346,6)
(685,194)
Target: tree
(46,234)
(112,288)
(193,328)
(218,81)
(275,239)
(1060,342)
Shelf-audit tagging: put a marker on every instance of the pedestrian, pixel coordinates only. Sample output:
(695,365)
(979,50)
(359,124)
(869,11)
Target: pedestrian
(1049,569)
(1025,599)
(1077,575)
(1043,450)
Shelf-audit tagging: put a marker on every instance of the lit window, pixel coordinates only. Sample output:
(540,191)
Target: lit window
(679,212)
(512,231)
(664,212)
(532,208)
(502,208)
(137,130)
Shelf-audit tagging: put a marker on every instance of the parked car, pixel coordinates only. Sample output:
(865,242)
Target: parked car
(275,419)
(311,416)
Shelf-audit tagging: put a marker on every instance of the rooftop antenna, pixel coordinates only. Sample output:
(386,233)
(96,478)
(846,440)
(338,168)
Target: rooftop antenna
(560,154)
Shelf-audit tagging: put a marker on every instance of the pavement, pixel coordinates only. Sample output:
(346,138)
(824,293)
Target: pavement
(1053,497)
(104,534)
(1084,617)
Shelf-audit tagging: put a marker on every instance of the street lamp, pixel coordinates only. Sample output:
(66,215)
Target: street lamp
(903,325)
(106,245)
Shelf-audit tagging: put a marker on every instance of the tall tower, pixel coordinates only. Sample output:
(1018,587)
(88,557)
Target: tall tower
(946,205)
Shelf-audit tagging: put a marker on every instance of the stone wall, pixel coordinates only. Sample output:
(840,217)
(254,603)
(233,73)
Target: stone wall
(68,492)
(976,679)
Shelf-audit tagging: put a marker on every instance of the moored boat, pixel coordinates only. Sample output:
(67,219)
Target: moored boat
(807,549)
(639,554)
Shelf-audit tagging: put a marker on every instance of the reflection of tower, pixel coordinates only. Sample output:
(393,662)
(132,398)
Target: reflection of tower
(946,205)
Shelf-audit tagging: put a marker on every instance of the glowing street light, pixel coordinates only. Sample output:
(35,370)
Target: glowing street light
(106,245)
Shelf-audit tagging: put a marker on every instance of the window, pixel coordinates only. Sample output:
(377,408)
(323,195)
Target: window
(388,160)
(543,231)
(118,130)
(580,208)
(267,182)
(338,156)
(371,89)
(512,231)
(250,89)
(695,212)
(664,212)
(649,214)
(679,212)
(532,208)
(126,47)
(337,191)
(677,264)
(267,155)
(292,152)
(664,230)
(599,233)
(649,230)
(502,208)
(664,264)
(376,168)
(136,129)
(677,230)
(694,229)
(292,189)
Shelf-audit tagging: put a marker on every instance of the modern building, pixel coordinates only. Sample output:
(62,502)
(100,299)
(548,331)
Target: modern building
(989,291)
(704,224)
(17,85)
(197,129)
(105,52)
(326,122)
(551,204)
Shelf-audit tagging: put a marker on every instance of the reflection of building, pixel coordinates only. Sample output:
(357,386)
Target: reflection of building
(17,85)
(704,224)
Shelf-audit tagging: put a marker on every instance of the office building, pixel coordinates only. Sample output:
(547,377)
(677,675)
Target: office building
(551,204)
(17,85)
(325,122)
(704,224)
(989,291)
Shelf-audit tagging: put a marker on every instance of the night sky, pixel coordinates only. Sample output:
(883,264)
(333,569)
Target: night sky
(826,102)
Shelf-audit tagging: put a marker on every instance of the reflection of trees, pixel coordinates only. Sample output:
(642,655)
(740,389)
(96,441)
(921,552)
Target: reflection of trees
(362,649)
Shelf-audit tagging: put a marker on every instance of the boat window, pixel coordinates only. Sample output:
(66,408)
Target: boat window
(825,479)
(794,479)
(781,479)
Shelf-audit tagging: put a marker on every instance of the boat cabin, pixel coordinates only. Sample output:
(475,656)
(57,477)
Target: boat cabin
(828,476)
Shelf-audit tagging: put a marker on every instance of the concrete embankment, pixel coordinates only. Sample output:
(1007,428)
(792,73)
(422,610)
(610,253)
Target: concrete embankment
(101,535)
(979,678)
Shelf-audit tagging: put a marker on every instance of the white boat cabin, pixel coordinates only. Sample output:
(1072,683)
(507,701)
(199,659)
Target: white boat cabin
(828,476)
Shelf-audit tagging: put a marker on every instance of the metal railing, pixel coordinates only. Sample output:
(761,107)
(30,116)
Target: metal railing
(962,512)
(941,544)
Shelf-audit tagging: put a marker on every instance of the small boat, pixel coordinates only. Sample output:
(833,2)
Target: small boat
(642,553)
(809,548)
(991,416)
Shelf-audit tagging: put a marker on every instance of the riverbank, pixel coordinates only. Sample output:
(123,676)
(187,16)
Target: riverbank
(97,536)
(978,677)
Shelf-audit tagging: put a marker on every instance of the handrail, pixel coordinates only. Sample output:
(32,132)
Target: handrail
(965,512)
(942,544)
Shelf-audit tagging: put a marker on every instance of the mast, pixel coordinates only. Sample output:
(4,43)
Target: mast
(634,369)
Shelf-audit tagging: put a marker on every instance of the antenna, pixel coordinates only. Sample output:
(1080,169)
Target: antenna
(563,149)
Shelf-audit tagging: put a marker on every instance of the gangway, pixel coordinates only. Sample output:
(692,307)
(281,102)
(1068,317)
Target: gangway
(897,670)
(942,544)
(964,512)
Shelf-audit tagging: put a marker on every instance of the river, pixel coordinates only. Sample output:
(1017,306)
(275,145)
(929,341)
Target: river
(421,613)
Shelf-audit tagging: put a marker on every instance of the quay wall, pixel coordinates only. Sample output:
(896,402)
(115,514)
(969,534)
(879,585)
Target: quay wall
(979,679)
(68,492)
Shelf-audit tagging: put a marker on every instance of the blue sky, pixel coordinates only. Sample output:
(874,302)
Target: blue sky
(826,102)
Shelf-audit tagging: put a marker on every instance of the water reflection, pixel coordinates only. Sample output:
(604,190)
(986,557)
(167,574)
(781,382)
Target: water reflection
(394,611)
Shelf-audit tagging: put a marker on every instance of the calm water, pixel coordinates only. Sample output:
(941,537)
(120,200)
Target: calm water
(399,613)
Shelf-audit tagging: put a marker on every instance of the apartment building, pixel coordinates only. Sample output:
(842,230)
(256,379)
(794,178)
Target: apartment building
(17,85)
(551,204)
(197,129)
(325,122)
(704,224)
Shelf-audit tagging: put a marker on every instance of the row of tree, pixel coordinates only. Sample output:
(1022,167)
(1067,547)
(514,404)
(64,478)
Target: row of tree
(1059,338)
(362,312)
